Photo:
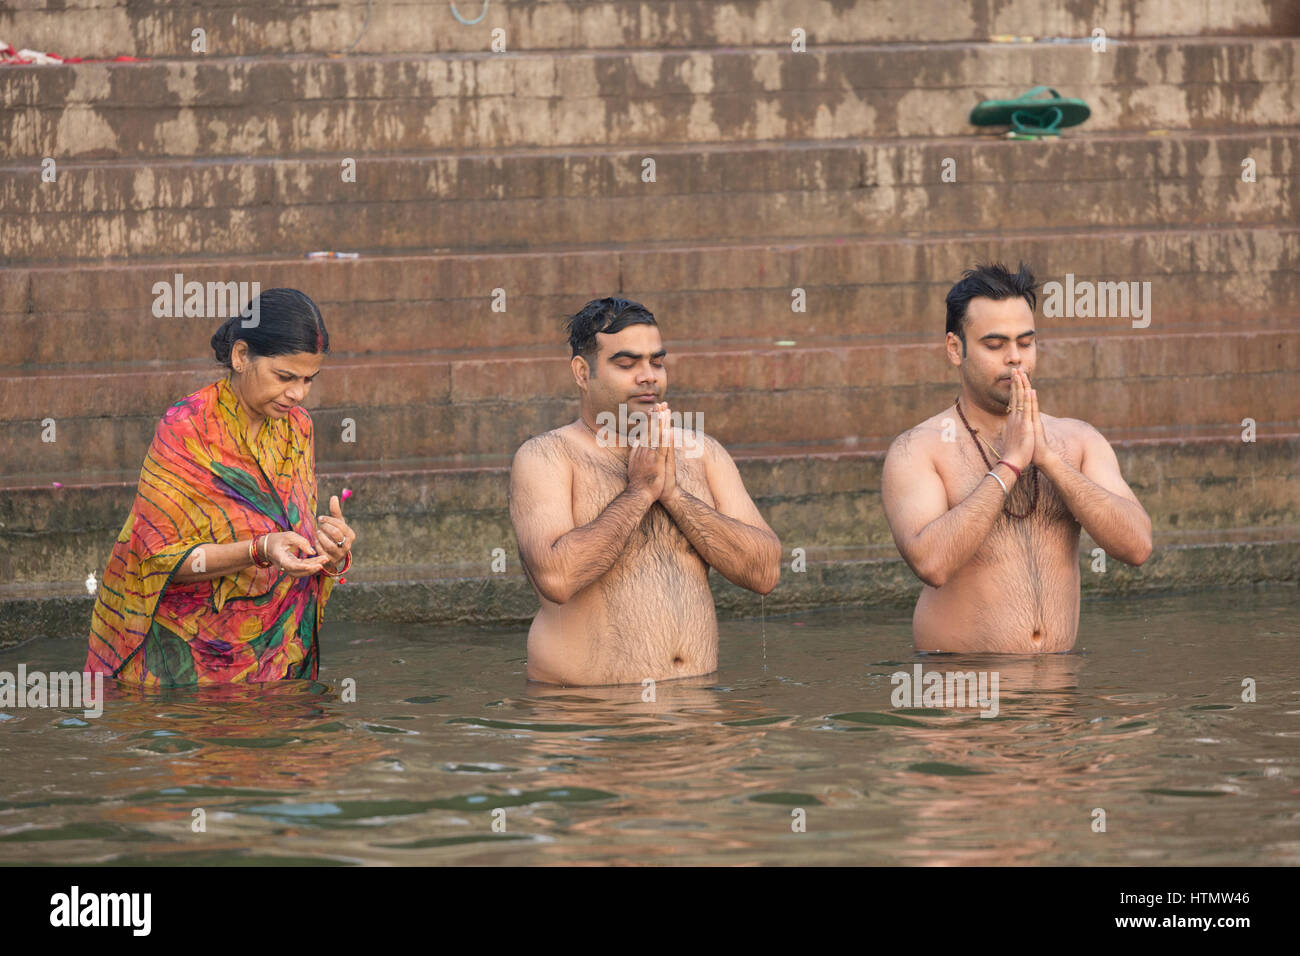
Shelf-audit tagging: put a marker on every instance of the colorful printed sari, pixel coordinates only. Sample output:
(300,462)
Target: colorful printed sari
(206,481)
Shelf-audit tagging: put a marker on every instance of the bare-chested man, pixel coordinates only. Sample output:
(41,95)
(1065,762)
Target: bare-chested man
(1001,567)
(618,541)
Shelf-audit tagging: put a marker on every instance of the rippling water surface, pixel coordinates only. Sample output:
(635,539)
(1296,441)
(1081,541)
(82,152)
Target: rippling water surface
(449,755)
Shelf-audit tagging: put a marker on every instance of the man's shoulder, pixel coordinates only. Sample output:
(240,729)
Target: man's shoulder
(1073,430)
(1069,424)
(553,447)
(711,448)
(921,439)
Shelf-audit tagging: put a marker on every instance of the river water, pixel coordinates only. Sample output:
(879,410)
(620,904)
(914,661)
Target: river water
(1135,748)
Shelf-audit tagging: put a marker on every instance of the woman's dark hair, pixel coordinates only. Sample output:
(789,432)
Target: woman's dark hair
(988,281)
(610,316)
(287,321)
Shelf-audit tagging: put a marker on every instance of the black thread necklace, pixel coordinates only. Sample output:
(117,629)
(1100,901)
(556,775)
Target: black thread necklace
(1033,500)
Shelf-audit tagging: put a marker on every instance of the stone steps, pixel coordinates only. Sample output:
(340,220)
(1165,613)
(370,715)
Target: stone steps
(523,199)
(818,497)
(163,28)
(72,316)
(462,407)
(404,103)
(1224,512)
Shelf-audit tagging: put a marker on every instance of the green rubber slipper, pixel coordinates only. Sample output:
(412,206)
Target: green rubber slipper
(1032,112)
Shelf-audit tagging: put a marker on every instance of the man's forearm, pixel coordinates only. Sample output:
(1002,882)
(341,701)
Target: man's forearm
(743,554)
(1120,526)
(584,554)
(949,541)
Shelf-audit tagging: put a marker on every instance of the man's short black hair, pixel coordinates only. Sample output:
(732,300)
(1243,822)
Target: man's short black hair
(989,281)
(610,315)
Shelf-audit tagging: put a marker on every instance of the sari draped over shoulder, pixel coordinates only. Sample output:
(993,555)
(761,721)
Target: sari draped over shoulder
(204,481)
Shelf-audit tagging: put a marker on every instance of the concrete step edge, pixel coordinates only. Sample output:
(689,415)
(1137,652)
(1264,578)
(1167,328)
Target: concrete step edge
(781,47)
(422,469)
(1263,537)
(25,166)
(552,353)
(657,247)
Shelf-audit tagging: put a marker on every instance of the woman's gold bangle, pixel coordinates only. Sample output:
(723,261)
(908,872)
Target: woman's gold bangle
(256,548)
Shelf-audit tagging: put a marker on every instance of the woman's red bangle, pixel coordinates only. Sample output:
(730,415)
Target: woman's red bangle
(347,563)
(1003,461)
(259,552)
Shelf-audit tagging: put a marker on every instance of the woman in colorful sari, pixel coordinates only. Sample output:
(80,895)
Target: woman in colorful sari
(222,569)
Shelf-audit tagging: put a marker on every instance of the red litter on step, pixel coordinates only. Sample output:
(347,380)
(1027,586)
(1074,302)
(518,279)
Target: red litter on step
(12,57)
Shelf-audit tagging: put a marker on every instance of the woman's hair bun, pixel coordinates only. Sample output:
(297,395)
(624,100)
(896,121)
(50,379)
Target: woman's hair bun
(285,321)
(221,343)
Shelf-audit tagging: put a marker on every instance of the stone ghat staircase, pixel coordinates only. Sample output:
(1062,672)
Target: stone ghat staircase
(522,171)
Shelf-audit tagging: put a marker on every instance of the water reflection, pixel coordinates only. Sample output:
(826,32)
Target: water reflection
(284,736)
(660,755)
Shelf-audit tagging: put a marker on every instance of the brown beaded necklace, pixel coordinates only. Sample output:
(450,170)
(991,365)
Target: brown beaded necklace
(1033,501)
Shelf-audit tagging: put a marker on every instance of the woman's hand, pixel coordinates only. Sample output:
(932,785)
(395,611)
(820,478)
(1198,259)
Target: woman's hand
(283,548)
(333,535)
